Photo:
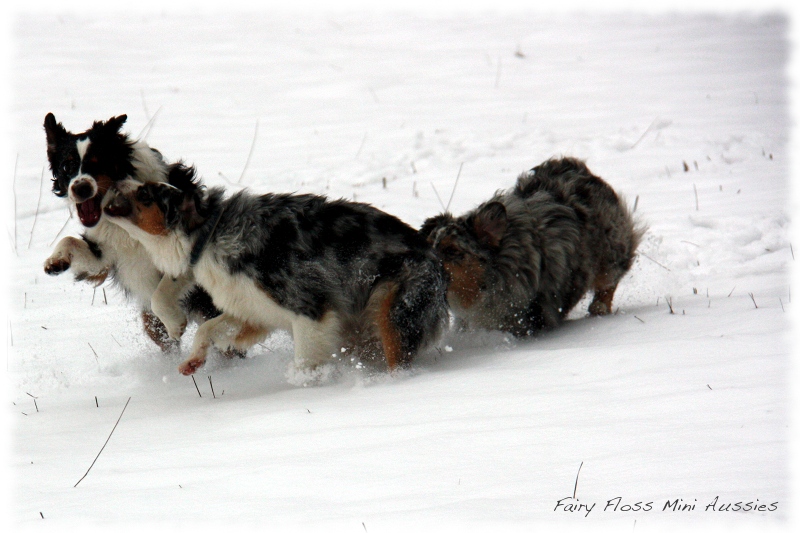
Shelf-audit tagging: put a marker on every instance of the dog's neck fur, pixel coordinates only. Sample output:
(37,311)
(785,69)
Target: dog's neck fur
(179,250)
(204,233)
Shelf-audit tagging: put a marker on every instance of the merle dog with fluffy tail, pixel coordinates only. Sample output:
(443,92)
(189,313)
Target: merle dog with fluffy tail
(521,261)
(334,273)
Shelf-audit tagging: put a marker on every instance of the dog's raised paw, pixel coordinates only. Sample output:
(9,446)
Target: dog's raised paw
(56,265)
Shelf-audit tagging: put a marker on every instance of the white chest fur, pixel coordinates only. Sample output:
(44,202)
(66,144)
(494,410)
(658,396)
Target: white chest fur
(238,295)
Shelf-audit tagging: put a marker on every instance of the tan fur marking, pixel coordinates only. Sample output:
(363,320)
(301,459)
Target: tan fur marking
(248,336)
(103,184)
(150,219)
(603,295)
(390,337)
(465,281)
(95,279)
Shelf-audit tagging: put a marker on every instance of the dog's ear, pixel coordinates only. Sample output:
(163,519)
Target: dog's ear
(490,223)
(54,130)
(433,223)
(180,208)
(189,213)
(171,200)
(115,123)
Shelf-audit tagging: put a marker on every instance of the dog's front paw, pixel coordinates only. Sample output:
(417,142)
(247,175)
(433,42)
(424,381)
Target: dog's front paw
(598,308)
(190,366)
(56,264)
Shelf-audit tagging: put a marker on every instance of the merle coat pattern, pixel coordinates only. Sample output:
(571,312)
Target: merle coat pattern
(521,261)
(333,272)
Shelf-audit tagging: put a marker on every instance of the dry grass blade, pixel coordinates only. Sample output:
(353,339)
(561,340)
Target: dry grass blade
(249,155)
(104,445)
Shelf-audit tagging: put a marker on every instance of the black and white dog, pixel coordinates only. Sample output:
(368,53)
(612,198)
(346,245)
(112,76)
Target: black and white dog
(521,261)
(85,166)
(336,274)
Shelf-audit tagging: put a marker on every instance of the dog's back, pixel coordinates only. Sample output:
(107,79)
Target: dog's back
(313,255)
(613,235)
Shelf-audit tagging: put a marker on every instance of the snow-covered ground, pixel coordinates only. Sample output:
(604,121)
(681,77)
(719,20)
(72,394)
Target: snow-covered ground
(687,115)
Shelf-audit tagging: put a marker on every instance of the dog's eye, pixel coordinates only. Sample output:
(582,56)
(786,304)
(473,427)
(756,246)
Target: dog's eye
(67,167)
(451,252)
(143,195)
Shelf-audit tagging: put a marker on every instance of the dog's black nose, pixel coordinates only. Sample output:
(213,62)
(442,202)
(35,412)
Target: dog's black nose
(82,189)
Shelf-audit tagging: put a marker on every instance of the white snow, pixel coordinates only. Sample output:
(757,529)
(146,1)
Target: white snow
(487,431)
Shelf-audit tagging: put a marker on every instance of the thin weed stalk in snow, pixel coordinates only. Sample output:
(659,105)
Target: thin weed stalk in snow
(149,126)
(104,445)
(575,491)
(361,146)
(212,387)
(453,192)
(34,401)
(654,261)
(144,104)
(249,155)
(62,229)
(14,192)
(753,298)
(36,214)
(196,387)
(437,196)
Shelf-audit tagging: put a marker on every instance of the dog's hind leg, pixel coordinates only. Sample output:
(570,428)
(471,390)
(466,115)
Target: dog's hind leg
(315,341)
(413,313)
(157,332)
(390,336)
(166,304)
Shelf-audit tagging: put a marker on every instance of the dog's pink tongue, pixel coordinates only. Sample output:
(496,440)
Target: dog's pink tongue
(89,211)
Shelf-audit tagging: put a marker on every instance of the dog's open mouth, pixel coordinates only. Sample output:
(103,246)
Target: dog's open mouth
(89,211)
